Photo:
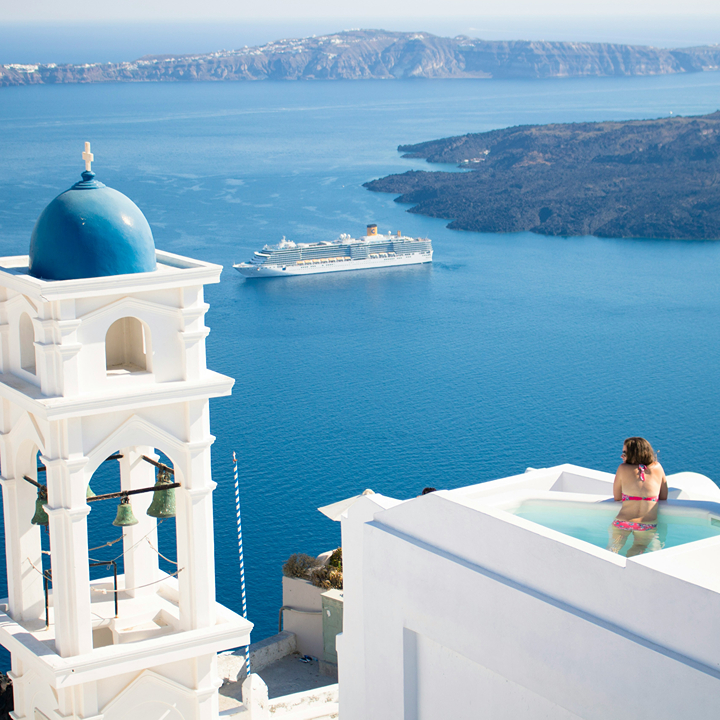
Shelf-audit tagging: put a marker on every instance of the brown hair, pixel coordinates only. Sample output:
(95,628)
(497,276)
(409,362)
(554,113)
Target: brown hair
(639,451)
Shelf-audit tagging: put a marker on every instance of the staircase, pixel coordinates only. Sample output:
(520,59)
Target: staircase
(306,705)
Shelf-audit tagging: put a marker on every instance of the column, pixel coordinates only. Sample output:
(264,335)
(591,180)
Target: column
(207,683)
(140,541)
(68,513)
(78,701)
(17,675)
(23,549)
(196,548)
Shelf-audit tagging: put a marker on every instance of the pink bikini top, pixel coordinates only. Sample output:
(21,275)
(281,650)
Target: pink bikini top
(641,470)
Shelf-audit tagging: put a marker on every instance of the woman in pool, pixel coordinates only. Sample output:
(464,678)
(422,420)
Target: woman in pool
(639,483)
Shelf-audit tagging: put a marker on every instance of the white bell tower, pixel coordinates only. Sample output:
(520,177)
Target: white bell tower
(102,353)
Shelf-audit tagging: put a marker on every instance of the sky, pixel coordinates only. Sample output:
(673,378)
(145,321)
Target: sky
(209,10)
(82,31)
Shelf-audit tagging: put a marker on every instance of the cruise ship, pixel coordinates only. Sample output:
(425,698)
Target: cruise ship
(345,253)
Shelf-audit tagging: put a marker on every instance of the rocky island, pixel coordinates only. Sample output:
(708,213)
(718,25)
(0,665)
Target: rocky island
(642,179)
(381,55)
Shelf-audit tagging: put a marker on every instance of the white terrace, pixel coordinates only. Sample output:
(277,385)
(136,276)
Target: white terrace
(456,607)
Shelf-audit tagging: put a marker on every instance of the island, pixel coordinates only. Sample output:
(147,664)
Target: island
(636,179)
(381,55)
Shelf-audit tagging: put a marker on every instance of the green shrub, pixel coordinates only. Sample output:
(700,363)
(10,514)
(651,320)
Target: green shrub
(298,565)
(326,577)
(336,559)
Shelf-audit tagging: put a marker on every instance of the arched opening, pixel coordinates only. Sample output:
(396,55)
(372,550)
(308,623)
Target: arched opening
(26,539)
(132,552)
(127,347)
(27,344)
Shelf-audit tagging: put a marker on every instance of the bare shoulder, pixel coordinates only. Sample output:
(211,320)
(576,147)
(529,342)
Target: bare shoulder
(658,468)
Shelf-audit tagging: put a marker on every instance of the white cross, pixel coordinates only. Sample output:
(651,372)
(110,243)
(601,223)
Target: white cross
(88,157)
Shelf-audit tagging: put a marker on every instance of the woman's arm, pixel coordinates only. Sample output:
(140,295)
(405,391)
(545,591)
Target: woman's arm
(617,486)
(663,494)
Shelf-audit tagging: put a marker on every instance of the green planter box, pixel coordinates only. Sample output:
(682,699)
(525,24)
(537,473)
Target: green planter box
(332,622)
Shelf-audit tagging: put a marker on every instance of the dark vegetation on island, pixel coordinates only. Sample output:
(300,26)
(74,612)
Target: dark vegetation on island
(377,54)
(639,179)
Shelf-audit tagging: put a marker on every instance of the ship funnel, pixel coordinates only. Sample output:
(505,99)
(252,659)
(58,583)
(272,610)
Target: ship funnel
(372,229)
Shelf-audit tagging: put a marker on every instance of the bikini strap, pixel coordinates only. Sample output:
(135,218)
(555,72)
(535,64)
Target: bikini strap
(641,470)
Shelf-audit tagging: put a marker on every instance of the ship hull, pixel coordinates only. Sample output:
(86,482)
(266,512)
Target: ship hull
(251,270)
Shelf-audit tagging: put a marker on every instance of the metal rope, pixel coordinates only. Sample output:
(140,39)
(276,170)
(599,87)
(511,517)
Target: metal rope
(104,591)
(107,544)
(117,557)
(160,554)
(42,572)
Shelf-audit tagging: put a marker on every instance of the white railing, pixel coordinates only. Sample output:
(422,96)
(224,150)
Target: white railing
(308,704)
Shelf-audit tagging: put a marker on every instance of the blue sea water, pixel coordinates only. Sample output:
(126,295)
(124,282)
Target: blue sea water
(509,351)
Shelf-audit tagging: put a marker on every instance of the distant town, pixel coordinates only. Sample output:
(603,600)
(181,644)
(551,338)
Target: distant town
(381,55)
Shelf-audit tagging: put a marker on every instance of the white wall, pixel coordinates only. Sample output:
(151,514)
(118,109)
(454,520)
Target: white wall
(303,615)
(477,614)
(350,643)
(442,683)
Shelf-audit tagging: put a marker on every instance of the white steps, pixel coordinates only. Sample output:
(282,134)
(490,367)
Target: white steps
(306,705)
(329,711)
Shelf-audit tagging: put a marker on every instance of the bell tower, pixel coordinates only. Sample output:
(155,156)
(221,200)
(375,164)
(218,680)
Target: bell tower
(102,359)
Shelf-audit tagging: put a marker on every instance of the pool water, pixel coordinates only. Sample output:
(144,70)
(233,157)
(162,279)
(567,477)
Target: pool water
(591,523)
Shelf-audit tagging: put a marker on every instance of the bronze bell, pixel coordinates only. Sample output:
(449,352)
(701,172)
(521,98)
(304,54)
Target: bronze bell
(89,493)
(125,516)
(163,502)
(40,517)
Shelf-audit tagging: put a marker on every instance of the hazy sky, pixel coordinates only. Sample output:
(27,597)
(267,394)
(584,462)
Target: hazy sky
(148,10)
(78,31)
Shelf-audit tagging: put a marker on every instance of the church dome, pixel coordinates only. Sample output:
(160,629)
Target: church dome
(91,231)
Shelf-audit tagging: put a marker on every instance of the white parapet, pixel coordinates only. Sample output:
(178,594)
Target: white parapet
(457,607)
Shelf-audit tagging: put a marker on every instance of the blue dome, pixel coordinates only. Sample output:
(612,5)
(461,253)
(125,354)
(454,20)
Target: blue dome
(91,231)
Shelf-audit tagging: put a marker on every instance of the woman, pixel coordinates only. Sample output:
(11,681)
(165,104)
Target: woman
(639,483)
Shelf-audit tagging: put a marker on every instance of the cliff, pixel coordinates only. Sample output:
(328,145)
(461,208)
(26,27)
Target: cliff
(376,54)
(641,178)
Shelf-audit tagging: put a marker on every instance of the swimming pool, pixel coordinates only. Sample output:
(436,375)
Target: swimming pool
(590,522)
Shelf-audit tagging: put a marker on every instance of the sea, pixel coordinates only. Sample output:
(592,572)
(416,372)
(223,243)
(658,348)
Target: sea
(507,352)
